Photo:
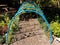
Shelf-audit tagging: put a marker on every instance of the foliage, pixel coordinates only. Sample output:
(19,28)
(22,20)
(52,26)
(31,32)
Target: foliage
(2,38)
(4,20)
(55,26)
(3,24)
(14,24)
(13,28)
(9,38)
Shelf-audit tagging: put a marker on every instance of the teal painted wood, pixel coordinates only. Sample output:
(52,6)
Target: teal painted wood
(28,7)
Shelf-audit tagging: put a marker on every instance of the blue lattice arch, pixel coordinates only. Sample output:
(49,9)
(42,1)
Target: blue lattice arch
(28,7)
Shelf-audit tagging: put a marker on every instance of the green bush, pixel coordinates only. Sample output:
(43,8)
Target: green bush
(55,26)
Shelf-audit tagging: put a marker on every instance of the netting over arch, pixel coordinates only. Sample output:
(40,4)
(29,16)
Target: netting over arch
(27,7)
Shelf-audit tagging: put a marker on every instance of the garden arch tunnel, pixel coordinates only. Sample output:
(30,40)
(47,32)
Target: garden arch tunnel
(28,7)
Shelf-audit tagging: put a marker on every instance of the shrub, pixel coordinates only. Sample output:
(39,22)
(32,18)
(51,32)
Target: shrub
(55,26)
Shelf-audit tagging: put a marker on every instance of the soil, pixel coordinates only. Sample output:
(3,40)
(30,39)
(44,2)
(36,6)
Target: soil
(31,33)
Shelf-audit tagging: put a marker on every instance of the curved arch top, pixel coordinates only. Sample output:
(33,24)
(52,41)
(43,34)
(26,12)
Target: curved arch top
(30,7)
